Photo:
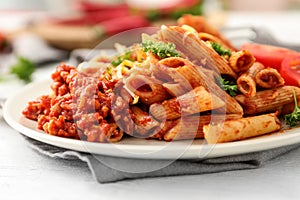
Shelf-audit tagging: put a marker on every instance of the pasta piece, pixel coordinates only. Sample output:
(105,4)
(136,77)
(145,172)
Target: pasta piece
(114,135)
(175,89)
(196,50)
(149,90)
(269,78)
(209,73)
(268,100)
(185,73)
(241,61)
(191,127)
(195,101)
(288,108)
(246,83)
(240,129)
(181,71)
(144,123)
(163,129)
(211,38)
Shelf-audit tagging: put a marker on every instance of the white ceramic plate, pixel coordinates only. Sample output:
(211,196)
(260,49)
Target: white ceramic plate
(134,147)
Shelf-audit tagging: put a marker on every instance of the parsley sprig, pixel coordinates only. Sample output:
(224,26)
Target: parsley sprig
(161,49)
(229,86)
(293,118)
(23,70)
(220,50)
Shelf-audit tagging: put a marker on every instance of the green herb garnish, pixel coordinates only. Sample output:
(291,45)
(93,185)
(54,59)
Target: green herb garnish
(160,49)
(121,58)
(293,118)
(229,86)
(220,50)
(23,69)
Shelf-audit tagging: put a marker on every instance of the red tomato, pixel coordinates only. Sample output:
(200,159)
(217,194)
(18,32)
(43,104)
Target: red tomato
(269,56)
(290,70)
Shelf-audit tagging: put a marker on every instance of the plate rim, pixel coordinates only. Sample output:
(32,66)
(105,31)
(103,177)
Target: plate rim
(217,150)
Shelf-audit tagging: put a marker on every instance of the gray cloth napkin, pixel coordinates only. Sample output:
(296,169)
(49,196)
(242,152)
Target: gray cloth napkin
(105,174)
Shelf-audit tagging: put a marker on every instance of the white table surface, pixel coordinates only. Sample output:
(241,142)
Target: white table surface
(26,174)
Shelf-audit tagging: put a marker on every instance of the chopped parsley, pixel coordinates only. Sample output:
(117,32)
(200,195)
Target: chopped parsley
(293,118)
(229,86)
(220,50)
(23,69)
(121,58)
(161,49)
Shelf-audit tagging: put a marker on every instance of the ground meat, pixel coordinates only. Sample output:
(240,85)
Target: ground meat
(38,107)
(78,107)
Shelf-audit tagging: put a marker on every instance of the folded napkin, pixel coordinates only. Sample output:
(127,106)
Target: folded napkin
(105,174)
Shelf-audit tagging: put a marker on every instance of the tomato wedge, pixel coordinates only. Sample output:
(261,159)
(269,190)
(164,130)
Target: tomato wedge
(290,70)
(268,55)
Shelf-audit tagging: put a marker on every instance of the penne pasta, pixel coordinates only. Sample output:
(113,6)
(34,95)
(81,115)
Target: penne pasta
(163,129)
(268,100)
(288,108)
(213,39)
(246,82)
(240,129)
(175,89)
(149,90)
(198,100)
(269,78)
(182,72)
(196,50)
(144,123)
(241,61)
(185,73)
(191,127)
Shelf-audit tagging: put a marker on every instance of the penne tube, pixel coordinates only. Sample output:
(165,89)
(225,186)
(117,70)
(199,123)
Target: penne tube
(240,129)
(269,78)
(114,135)
(196,50)
(188,127)
(191,127)
(268,100)
(246,83)
(241,61)
(190,76)
(149,90)
(195,101)
(206,37)
(144,123)
(163,129)
(181,70)
(209,73)
(175,89)
(288,108)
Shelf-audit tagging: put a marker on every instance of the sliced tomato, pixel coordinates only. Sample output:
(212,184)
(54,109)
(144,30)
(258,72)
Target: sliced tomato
(268,55)
(290,70)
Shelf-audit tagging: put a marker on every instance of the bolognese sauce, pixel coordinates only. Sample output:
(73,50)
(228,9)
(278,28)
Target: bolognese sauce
(78,107)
